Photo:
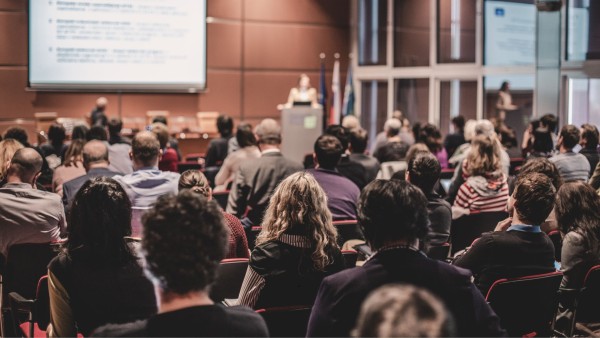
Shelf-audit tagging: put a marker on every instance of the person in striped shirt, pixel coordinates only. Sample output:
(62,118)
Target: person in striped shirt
(485,188)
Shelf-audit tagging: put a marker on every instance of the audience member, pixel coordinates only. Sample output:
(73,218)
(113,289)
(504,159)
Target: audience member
(359,167)
(589,145)
(549,122)
(115,126)
(195,181)
(424,172)
(19,134)
(394,218)
(184,241)
(517,247)
(430,135)
(28,215)
(485,188)
(8,148)
(98,277)
(173,142)
(572,166)
(98,115)
(95,163)
(405,133)
(119,154)
(351,123)
(394,149)
(296,248)
(71,168)
(461,151)
(248,150)
(168,160)
(342,194)
(457,137)
(54,149)
(257,179)
(79,132)
(340,133)
(217,148)
(595,179)
(402,310)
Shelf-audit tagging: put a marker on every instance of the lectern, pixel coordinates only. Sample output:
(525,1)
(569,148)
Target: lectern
(300,127)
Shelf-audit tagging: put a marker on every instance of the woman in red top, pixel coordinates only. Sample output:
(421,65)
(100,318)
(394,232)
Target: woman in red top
(169,159)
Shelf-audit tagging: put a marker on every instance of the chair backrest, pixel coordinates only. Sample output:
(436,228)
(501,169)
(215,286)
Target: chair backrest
(350,258)
(42,304)
(557,241)
(588,303)
(230,276)
(221,197)
(467,228)
(439,252)
(526,304)
(348,230)
(25,265)
(289,321)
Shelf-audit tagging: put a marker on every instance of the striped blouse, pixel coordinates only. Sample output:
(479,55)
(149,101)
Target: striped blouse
(479,194)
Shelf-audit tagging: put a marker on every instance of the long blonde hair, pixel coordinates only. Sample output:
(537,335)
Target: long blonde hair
(483,158)
(8,148)
(299,206)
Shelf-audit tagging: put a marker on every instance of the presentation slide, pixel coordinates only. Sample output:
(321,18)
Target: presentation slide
(117,44)
(509,33)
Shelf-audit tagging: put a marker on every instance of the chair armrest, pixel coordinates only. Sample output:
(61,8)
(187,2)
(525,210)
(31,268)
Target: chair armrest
(18,303)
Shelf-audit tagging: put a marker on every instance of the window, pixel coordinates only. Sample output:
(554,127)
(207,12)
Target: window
(372,18)
(456,30)
(457,97)
(412,98)
(373,107)
(411,33)
(583,34)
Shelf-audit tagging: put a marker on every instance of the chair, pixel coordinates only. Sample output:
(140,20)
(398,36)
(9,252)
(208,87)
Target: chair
(557,241)
(221,197)
(348,230)
(289,321)
(469,227)
(37,309)
(586,308)
(230,276)
(350,258)
(184,166)
(439,252)
(193,157)
(526,305)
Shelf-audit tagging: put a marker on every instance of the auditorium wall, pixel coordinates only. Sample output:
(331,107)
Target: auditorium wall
(255,48)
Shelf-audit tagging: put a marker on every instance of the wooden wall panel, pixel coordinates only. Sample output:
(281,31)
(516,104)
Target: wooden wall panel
(330,12)
(223,93)
(15,101)
(13,5)
(226,9)
(224,45)
(13,38)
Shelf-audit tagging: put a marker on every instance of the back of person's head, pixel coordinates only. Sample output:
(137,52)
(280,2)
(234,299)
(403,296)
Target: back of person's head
(95,152)
(358,141)
(504,87)
(589,133)
(550,121)
(57,134)
(483,157)
(268,131)
(26,164)
(74,153)
(392,127)
(328,151)
(299,206)
(8,148)
(244,135)
(97,133)
(162,133)
(340,132)
(389,211)
(459,123)
(184,239)
(350,122)
(415,149)
(577,208)
(430,135)
(543,166)
(160,119)
(114,126)
(100,218)
(485,127)
(101,102)
(145,148)
(79,132)
(195,181)
(402,310)
(542,141)
(225,125)
(17,133)
(533,198)
(424,171)
(570,135)
(470,130)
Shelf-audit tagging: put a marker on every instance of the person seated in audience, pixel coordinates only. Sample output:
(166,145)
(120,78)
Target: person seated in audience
(71,168)
(257,179)
(173,142)
(98,277)
(577,209)
(79,132)
(95,162)
(394,149)
(147,182)
(342,194)
(572,166)
(549,122)
(589,145)
(55,148)
(430,135)
(217,148)
(28,215)
(359,168)
(405,134)
(424,172)
(184,240)
(517,247)
(119,154)
(19,134)
(351,123)
(115,125)
(168,160)
(402,310)
(394,219)
(7,151)
(195,181)
(295,249)
(485,188)
(461,151)
(248,149)
(457,137)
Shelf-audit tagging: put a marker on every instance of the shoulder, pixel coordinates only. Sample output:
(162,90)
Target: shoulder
(244,322)
(134,329)
(265,257)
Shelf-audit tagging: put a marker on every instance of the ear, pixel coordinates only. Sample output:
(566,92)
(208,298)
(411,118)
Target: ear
(160,155)
(131,155)
(35,178)
(407,176)
(315,161)
(210,194)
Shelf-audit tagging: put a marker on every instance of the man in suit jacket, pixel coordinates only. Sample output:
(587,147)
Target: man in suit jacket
(359,167)
(257,179)
(393,215)
(95,162)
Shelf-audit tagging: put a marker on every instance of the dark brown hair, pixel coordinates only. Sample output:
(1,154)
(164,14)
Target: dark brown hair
(534,198)
(577,208)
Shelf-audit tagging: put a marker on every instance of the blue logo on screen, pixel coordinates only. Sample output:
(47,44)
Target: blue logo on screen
(499,11)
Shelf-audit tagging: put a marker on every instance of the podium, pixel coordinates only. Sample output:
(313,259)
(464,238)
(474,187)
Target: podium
(300,128)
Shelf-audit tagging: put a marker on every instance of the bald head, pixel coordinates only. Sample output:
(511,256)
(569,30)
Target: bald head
(145,149)
(268,132)
(95,154)
(101,102)
(25,165)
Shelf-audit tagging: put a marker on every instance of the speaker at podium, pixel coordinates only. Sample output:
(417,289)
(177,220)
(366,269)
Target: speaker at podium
(300,128)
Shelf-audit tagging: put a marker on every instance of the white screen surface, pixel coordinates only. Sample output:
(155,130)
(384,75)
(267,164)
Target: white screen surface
(117,44)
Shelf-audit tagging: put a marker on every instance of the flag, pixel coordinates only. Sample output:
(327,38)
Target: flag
(335,114)
(348,106)
(322,96)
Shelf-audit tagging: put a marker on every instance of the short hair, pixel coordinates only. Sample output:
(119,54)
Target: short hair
(162,133)
(114,126)
(459,122)
(17,133)
(57,133)
(542,141)
(416,149)
(392,126)
(145,147)
(195,181)
(184,239)
(244,135)
(358,140)
(340,132)
(534,198)
(328,150)
(392,210)
(402,310)
(350,122)
(543,166)
(268,131)
(27,163)
(160,119)
(550,121)
(97,133)
(431,136)
(225,125)
(570,136)
(424,171)
(80,132)
(590,134)
(95,151)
